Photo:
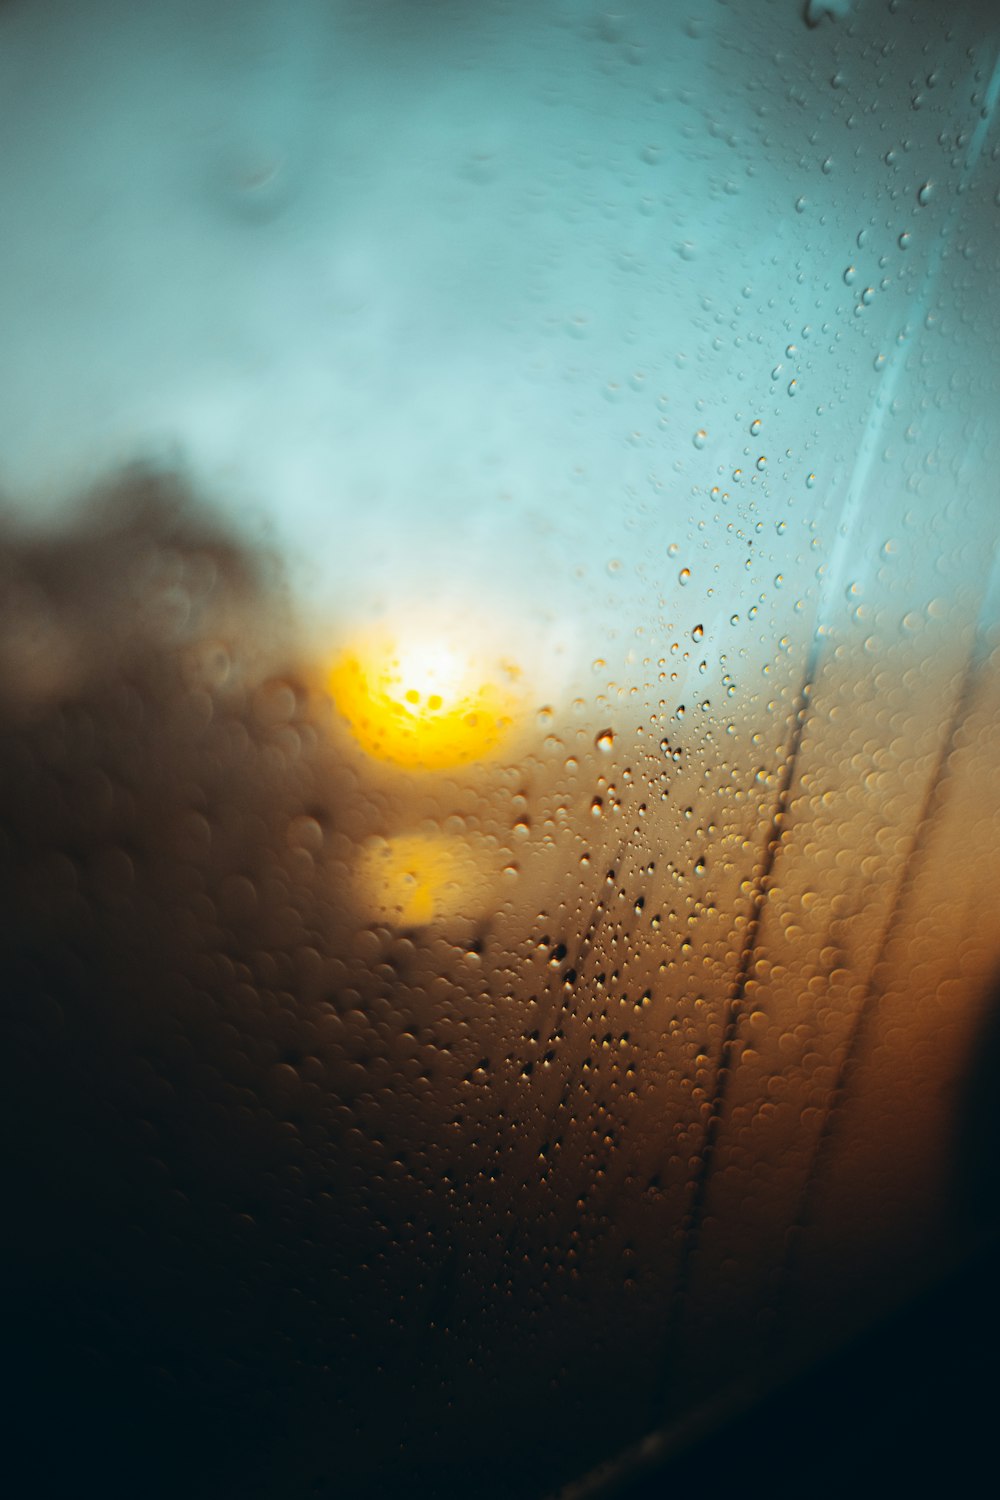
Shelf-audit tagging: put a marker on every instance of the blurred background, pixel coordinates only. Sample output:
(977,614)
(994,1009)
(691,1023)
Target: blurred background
(499,629)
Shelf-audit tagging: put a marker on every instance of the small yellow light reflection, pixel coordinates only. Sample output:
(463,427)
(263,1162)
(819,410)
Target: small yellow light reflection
(423,705)
(417,879)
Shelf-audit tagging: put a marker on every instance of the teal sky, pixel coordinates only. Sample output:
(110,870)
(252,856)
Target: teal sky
(523,308)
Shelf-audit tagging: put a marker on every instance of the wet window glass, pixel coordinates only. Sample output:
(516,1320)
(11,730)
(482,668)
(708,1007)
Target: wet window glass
(498,671)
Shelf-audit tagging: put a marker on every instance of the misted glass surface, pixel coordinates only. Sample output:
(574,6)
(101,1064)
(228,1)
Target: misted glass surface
(499,661)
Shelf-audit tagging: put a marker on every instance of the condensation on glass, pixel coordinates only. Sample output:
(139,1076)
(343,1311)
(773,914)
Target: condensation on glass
(500,789)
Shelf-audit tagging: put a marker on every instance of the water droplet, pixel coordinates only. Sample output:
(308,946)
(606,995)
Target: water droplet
(700,438)
(305,833)
(825,10)
(925,193)
(762,463)
(605,740)
(697,632)
(904,240)
(755,427)
(850,275)
(684,576)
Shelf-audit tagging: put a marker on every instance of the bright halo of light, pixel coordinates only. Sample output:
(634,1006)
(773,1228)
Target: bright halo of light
(423,703)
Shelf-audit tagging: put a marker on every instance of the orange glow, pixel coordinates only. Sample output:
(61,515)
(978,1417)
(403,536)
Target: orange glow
(421,878)
(423,705)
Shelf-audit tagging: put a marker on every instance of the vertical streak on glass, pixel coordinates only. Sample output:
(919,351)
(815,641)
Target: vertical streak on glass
(857,489)
(867,1008)
(733,1015)
(940,777)
(832,584)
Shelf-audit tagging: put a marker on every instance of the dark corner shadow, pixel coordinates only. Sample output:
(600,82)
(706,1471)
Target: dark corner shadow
(908,1405)
(976,1143)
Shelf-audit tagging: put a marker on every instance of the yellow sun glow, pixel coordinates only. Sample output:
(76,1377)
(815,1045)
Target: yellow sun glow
(423,705)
